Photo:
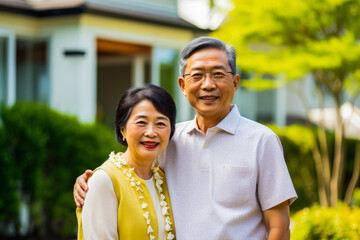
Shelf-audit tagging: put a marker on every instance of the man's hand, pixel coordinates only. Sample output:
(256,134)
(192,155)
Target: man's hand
(81,187)
(277,221)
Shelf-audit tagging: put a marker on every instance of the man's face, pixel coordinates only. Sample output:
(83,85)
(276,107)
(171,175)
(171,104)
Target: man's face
(210,98)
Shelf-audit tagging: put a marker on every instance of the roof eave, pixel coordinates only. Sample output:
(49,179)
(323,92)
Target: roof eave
(57,8)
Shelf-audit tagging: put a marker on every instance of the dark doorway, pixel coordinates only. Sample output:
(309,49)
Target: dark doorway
(114,74)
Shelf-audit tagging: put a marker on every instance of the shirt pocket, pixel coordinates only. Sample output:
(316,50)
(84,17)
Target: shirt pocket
(232,184)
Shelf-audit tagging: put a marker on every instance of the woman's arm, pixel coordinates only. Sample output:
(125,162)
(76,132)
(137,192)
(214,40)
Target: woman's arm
(277,221)
(99,214)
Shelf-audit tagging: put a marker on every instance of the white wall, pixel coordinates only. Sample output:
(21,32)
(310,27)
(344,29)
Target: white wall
(7,69)
(247,102)
(300,96)
(73,78)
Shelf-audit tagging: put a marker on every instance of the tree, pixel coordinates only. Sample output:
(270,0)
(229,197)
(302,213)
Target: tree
(290,39)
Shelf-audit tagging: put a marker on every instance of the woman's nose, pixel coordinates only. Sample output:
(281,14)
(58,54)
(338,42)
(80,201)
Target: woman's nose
(150,131)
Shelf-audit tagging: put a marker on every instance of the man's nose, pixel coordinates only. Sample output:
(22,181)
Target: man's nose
(208,82)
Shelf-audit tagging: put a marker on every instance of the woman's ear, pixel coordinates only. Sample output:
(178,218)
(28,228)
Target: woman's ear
(123,132)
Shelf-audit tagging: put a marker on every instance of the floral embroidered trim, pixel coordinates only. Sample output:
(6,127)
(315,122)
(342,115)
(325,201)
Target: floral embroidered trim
(120,162)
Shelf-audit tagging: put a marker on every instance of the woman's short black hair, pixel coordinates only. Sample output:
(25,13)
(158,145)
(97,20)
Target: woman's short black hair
(160,98)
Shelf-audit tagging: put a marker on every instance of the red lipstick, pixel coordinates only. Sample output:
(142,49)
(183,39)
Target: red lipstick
(150,144)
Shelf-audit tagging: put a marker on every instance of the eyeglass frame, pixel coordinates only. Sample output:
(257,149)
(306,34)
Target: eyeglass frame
(204,76)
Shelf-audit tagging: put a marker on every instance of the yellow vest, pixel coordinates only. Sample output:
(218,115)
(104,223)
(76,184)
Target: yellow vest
(131,222)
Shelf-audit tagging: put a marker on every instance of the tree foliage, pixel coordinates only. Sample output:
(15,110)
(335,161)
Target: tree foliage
(289,39)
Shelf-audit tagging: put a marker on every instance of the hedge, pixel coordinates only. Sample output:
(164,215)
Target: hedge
(45,152)
(9,199)
(317,223)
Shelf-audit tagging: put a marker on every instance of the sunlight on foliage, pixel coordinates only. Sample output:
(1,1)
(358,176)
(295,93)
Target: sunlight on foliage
(352,84)
(294,37)
(282,41)
(326,223)
(300,135)
(356,198)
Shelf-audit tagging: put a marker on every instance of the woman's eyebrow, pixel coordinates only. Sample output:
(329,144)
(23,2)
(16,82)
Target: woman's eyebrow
(144,116)
(140,116)
(163,118)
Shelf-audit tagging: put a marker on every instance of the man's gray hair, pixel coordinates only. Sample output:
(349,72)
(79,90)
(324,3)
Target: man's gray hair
(201,43)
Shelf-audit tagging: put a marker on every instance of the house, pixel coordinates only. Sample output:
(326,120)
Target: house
(79,56)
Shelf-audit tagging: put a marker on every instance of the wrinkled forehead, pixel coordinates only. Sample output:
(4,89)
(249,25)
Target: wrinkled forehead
(209,58)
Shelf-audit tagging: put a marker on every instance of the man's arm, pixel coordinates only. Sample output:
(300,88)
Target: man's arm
(277,221)
(81,187)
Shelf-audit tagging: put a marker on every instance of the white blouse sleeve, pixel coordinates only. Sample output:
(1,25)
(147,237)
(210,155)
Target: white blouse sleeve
(99,214)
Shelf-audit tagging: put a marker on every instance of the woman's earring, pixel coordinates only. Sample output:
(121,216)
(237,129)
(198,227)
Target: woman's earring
(123,139)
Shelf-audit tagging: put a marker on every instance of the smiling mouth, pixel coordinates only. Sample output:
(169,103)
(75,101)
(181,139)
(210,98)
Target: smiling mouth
(150,144)
(209,98)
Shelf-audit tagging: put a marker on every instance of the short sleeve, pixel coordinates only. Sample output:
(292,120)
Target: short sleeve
(99,214)
(161,160)
(274,181)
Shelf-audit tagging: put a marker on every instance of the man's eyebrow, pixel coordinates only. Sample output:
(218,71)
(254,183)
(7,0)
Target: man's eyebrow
(219,67)
(214,67)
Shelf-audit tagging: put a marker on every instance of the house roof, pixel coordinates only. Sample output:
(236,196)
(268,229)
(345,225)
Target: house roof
(48,8)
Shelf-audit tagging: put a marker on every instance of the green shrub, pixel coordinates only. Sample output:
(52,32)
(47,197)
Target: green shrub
(9,199)
(356,198)
(317,223)
(49,150)
(297,144)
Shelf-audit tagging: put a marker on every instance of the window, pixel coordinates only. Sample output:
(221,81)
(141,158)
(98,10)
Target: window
(32,74)
(3,69)
(169,63)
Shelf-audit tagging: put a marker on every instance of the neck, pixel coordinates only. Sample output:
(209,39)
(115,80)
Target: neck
(141,167)
(205,122)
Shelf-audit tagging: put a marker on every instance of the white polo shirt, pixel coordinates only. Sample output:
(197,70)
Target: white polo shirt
(220,183)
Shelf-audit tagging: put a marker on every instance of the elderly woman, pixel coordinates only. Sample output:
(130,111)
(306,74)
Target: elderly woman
(128,197)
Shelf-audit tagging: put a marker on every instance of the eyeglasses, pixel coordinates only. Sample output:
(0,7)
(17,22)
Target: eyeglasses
(216,75)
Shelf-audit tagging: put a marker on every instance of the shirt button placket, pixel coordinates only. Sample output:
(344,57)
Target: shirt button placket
(204,161)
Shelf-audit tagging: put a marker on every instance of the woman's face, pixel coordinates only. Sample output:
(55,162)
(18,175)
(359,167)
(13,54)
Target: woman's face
(147,131)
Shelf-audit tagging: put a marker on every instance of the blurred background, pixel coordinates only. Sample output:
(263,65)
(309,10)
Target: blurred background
(65,63)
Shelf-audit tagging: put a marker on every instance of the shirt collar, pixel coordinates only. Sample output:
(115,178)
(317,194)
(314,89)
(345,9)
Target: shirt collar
(228,124)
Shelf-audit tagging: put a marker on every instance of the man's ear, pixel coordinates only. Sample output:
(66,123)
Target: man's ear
(181,82)
(236,81)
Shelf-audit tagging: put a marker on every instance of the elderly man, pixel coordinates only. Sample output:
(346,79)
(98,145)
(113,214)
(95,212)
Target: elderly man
(226,174)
